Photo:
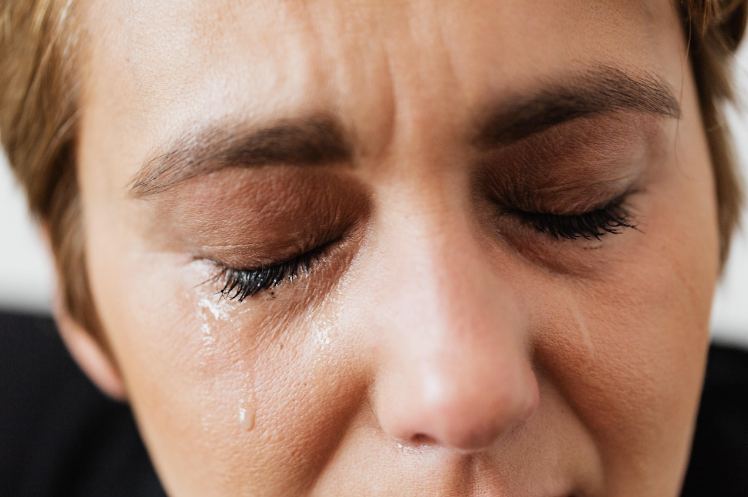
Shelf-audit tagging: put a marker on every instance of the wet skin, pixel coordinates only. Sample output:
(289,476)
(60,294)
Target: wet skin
(462,323)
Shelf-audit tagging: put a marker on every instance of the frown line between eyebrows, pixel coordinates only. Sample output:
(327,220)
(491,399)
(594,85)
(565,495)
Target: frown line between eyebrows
(320,139)
(306,141)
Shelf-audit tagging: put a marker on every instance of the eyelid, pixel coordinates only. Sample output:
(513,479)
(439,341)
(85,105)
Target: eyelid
(330,258)
(239,284)
(255,255)
(611,218)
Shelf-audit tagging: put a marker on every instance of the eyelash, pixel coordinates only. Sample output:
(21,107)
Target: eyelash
(240,284)
(610,219)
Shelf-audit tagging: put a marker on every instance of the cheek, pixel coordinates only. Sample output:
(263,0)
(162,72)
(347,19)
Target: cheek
(183,373)
(628,349)
(209,379)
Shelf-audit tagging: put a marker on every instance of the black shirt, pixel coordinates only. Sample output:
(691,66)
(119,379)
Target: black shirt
(59,436)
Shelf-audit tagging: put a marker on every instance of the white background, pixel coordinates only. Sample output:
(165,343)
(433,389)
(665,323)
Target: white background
(26,272)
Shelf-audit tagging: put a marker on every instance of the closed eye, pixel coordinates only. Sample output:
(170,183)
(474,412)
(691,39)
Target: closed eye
(612,219)
(240,284)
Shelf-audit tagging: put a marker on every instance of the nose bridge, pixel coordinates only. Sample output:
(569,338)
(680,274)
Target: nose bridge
(454,368)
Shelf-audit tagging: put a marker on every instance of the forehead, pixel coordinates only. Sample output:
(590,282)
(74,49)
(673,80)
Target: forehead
(159,66)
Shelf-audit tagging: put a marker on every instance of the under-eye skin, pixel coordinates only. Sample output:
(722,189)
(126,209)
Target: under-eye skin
(610,219)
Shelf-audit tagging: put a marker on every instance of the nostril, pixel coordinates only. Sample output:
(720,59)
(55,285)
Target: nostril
(422,439)
(417,441)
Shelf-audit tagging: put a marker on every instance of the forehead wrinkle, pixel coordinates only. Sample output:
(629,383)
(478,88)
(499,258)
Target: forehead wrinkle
(398,95)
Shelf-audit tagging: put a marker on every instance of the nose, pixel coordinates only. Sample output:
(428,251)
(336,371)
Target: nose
(454,366)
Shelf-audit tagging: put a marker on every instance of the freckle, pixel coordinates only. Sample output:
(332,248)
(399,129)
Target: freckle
(246,418)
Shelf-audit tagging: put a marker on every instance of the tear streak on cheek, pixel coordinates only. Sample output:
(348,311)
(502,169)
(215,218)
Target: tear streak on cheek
(572,304)
(233,391)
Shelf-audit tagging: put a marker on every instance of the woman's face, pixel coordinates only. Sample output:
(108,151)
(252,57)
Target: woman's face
(401,247)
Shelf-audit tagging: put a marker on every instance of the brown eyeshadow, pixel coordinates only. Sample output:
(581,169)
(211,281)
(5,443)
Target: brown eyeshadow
(246,217)
(571,168)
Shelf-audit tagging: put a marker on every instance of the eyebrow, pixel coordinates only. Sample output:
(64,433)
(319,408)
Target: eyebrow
(309,141)
(320,139)
(604,90)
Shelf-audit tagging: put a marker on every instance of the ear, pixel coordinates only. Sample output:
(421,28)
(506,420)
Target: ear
(88,351)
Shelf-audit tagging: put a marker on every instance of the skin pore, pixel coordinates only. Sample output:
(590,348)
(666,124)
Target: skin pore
(487,229)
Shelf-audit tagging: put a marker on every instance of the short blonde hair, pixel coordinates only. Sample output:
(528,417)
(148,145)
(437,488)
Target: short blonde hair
(39,46)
